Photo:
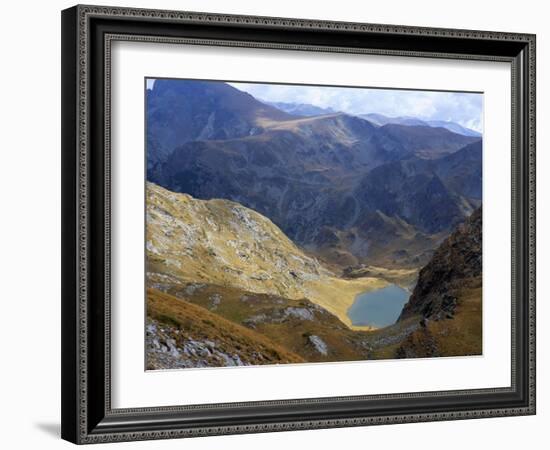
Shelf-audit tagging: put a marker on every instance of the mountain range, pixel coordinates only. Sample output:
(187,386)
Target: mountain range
(301,109)
(344,188)
(306,110)
(380,120)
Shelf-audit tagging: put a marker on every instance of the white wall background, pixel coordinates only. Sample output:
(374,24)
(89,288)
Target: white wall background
(30,223)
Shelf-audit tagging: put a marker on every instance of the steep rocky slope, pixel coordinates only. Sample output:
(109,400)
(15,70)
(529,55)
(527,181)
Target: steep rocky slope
(457,260)
(223,243)
(448,298)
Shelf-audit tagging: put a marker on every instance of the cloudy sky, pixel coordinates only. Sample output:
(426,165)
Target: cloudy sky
(462,108)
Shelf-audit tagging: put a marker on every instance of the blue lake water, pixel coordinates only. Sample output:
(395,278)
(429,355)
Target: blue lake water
(378,308)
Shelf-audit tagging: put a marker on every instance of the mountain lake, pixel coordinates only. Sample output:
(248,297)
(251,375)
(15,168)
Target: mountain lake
(378,308)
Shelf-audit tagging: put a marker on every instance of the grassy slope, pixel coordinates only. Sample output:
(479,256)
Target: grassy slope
(461,335)
(457,335)
(243,309)
(183,321)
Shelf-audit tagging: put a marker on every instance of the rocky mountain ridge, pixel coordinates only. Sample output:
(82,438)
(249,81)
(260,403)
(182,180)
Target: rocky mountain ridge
(455,263)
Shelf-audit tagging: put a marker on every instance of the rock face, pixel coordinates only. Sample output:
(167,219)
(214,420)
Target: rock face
(455,262)
(321,179)
(319,344)
(222,242)
(408,190)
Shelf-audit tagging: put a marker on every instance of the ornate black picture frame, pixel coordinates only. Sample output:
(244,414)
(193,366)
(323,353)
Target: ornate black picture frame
(87,34)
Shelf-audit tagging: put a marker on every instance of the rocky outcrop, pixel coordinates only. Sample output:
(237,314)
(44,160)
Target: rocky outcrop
(319,345)
(221,242)
(456,261)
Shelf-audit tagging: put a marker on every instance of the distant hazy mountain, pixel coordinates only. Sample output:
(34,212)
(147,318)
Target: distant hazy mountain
(380,120)
(335,184)
(454,127)
(301,109)
(426,141)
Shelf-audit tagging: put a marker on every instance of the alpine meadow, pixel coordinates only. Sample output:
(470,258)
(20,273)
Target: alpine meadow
(300,224)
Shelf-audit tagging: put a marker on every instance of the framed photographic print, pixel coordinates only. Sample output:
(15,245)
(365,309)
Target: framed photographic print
(281,224)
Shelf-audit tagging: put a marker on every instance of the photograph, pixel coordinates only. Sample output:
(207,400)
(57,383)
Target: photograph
(288,219)
(290,223)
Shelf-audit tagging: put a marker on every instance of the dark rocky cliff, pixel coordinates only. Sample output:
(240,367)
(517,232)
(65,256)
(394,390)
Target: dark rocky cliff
(457,260)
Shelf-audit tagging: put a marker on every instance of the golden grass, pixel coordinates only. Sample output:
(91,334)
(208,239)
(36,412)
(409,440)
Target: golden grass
(289,332)
(203,325)
(293,124)
(461,335)
(336,295)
